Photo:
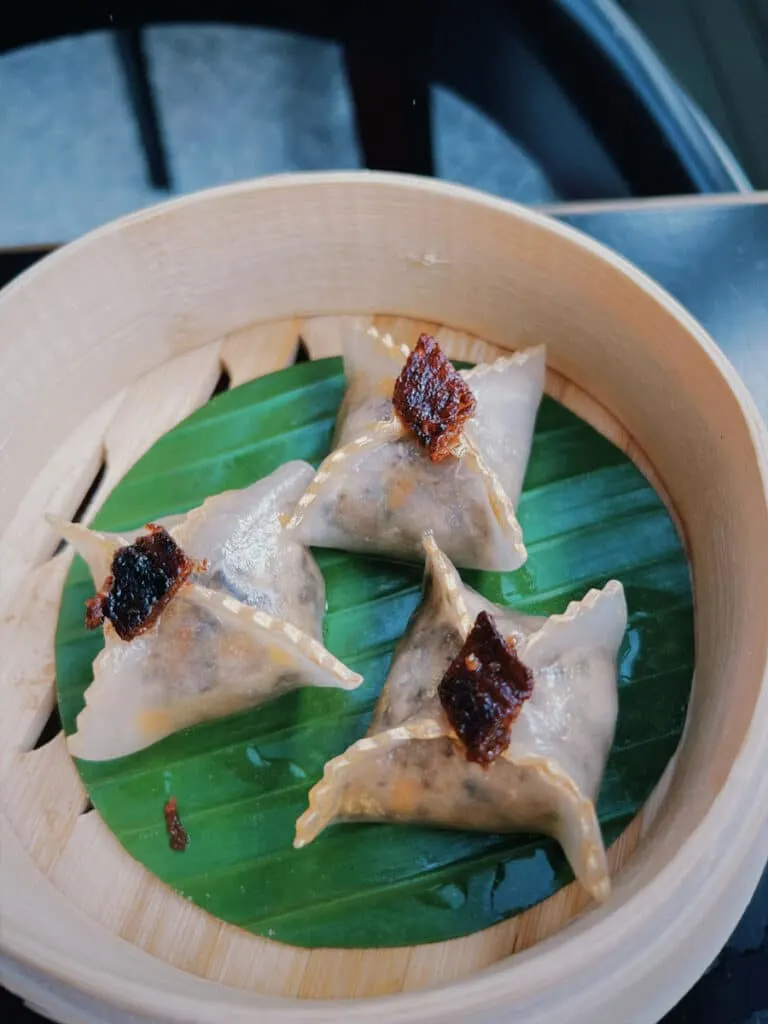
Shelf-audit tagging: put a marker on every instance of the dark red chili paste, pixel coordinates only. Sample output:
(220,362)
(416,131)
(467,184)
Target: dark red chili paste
(432,399)
(144,577)
(483,691)
(177,834)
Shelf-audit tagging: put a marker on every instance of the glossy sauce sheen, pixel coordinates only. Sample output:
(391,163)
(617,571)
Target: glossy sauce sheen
(145,576)
(432,399)
(483,691)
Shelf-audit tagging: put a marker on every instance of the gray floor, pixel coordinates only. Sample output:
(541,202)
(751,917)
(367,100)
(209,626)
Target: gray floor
(234,103)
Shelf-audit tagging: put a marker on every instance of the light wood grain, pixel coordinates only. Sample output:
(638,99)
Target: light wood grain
(322,334)
(43,797)
(58,490)
(174,288)
(150,408)
(258,349)
(403,330)
(461,345)
(27,667)
(85,858)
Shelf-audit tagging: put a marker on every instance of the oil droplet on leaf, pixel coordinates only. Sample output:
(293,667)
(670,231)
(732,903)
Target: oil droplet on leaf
(255,758)
(445,897)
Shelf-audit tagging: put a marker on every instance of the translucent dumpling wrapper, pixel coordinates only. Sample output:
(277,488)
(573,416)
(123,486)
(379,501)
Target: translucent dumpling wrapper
(411,766)
(379,489)
(243,629)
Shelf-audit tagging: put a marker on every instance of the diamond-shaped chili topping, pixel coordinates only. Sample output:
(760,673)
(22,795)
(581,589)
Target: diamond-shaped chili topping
(432,399)
(483,691)
(144,577)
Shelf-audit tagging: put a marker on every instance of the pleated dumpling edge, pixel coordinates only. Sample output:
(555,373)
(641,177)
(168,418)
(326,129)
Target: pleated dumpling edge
(380,489)
(245,627)
(411,766)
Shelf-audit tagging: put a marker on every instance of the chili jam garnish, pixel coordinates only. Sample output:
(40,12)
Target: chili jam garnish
(483,691)
(144,577)
(177,835)
(432,399)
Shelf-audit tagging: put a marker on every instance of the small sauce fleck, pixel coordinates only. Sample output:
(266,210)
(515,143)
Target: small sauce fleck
(432,399)
(144,577)
(483,691)
(177,834)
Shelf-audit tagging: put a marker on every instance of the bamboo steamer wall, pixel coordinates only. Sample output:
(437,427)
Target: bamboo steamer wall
(110,342)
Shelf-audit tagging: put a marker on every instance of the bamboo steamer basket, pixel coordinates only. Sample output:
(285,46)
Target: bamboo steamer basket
(110,342)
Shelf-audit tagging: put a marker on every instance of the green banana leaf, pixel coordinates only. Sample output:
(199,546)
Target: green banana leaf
(241,782)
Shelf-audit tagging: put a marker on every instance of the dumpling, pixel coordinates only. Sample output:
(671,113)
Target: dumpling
(489,720)
(420,445)
(206,614)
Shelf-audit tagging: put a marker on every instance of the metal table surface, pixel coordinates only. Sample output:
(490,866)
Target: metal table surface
(711,253)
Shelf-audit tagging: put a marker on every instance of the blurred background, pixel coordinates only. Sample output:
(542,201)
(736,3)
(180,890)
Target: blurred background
(535,101)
